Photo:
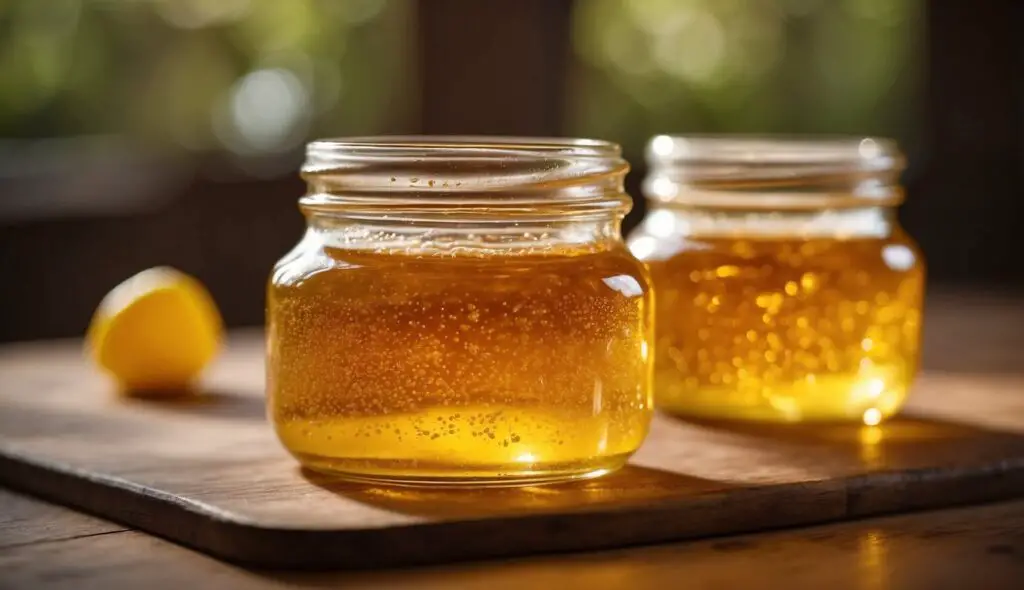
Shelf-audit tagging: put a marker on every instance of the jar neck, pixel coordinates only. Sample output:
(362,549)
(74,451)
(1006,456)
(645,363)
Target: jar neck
(751,174)
(458,181)
(575,235)
(452,195)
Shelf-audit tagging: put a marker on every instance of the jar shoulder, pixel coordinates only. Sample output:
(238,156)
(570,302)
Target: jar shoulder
(312,261)
(894,252)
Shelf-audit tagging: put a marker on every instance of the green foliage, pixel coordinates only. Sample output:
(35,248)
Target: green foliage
(753,66)
(171,71)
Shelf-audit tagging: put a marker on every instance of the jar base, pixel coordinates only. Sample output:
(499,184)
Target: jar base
(396,472)
(838,399)
(870,417)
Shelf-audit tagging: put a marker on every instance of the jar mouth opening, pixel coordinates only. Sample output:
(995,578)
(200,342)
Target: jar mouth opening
(852,152)
(324,153)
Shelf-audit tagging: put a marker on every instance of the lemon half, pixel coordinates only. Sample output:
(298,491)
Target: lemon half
(156,331)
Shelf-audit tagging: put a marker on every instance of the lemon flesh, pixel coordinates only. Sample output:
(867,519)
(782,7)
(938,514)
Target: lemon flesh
(155,331)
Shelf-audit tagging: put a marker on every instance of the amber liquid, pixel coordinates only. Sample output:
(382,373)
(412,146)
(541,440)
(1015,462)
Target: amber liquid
(441,367)
(787,330)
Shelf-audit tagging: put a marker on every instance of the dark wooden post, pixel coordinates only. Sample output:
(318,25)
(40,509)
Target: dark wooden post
(495,67)
(967,189)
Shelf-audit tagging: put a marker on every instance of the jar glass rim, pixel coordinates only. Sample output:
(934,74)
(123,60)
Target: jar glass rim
(859,152)
(767,172)
(323,153)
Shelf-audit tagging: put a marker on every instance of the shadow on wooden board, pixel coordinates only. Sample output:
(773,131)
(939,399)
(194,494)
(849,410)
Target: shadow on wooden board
(630,486)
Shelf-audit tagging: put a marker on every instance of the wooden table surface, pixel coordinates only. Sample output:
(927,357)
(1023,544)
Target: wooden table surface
(46,546)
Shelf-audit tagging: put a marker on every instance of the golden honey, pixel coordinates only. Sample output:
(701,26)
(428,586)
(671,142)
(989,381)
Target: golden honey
(460,361)
(802,313)
(786,329)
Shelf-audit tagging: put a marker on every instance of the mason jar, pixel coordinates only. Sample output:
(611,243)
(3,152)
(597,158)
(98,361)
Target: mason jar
(461,310)
(786,289)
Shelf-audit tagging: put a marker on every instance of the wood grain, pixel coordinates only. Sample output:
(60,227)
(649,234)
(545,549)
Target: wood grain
(976,547)
(208,473)
(24,521)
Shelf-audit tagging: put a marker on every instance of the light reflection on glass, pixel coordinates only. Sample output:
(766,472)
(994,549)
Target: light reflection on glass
(624,284)
(869,149)
(898,257)
(661,223)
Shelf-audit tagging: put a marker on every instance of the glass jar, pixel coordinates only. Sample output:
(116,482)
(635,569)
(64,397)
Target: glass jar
(786,290)
(461,311)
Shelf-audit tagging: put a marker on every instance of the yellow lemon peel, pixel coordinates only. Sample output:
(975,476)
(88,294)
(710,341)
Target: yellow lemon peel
(155,332)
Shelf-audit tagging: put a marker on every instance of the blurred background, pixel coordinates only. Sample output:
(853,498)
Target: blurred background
(135,133)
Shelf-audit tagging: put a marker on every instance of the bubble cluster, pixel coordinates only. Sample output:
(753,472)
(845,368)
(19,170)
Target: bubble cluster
(463,366)
(786,329)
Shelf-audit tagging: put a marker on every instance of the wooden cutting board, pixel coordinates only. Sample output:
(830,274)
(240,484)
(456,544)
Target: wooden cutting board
(208,472)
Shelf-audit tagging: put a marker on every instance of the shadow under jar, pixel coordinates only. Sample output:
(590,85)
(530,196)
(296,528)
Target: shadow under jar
(461,311)
(786,289)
